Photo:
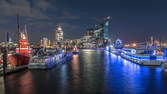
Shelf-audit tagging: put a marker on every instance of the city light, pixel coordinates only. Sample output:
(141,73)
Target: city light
(83,47)
(134,44)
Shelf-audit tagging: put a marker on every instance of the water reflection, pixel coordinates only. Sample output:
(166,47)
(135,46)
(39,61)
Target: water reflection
(123,76)
(22,83)
(75,72)
(90,72)
(63,79)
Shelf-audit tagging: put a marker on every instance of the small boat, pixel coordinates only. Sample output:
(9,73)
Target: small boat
(48,59)
(75,50)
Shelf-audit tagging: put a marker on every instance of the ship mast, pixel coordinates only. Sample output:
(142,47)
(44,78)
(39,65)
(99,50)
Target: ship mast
(18,31)
(18,27)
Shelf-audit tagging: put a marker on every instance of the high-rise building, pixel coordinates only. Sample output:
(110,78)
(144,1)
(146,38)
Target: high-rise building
(101,33)
(97,36)
(106,29)
(59,34)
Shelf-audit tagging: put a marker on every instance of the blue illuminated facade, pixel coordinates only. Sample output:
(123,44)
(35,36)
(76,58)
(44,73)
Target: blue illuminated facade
(99,35)
(106,30)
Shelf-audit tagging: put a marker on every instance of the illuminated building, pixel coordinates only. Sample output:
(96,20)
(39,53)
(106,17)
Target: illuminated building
(106,29)
(95,37)
(45,42)
(59,34)
(98,36)
(59,37)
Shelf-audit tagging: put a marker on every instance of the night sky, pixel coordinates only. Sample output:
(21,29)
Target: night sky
(132,20)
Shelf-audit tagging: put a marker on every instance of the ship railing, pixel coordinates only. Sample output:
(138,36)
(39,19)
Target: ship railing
(151,61)
(37,59)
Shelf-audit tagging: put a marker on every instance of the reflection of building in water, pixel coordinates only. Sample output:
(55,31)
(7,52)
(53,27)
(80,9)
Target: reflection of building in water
(75,63)
(75,71)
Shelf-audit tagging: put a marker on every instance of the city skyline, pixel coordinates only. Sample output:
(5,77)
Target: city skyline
(83,47)
(131,20)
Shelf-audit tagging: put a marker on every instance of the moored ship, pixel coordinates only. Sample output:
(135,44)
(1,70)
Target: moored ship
(46,59)
(135,56)
(143,55)
(20,58)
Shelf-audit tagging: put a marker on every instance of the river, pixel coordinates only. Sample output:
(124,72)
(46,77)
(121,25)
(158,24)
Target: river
(90,72)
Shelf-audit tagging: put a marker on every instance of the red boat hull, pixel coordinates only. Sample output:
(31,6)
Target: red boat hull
(19,59)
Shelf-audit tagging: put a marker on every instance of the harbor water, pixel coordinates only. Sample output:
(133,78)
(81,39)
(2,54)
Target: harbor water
(90,72)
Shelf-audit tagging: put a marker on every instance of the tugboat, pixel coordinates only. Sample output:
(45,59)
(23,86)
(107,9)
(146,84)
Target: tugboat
(20,58)
(75,50)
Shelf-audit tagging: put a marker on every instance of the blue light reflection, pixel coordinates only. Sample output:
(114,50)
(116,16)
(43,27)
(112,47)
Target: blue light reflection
(129,77)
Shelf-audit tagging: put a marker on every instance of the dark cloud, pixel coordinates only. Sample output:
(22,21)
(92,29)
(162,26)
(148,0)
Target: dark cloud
(71,31)
(35,14)
(131,20)
(22,7)
(68,15)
